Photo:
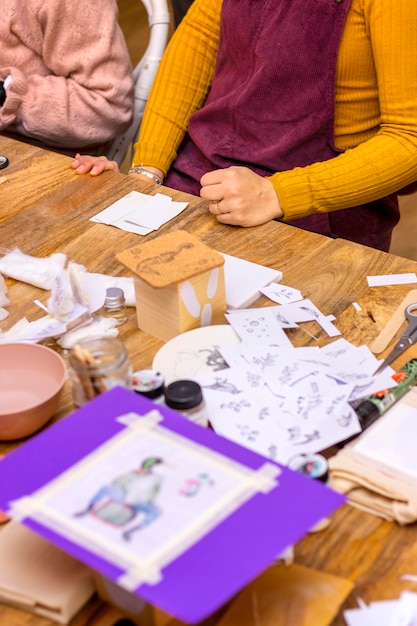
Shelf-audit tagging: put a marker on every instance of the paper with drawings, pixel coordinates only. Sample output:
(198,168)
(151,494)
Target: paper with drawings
(285,366)
(282,294)
(306,311)
(241,407)
(281,401)
(265,324)
(140,213)
(258,326)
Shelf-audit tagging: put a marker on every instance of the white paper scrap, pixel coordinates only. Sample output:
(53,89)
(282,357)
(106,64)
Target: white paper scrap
(377,613)
(139,213)
(282,294)
(401,612)
(244,280)
(392,279)
(157,211)
(258,326)
(305,311)
(35,331)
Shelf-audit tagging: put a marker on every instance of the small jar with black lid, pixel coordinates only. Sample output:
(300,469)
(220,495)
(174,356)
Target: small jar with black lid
(186,397)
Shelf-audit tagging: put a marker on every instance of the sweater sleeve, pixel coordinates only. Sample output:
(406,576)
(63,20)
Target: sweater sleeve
(84,95)
(387,160)
(180,86)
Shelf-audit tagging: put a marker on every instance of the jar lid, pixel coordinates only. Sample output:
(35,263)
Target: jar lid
(183,394)
(148,383)
(115,297)
(314,465)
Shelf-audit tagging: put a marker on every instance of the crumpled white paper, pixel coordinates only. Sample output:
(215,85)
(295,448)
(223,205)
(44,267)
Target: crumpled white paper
(98,327)
(39,272)
(76,295)
(124,282)
(74,292)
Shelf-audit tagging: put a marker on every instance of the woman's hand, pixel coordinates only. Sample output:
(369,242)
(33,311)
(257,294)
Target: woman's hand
(84,164)
(239,197)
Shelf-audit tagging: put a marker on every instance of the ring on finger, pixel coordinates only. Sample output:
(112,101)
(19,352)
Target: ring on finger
(215,203)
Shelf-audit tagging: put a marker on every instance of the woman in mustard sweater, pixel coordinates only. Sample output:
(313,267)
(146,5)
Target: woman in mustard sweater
(303,111)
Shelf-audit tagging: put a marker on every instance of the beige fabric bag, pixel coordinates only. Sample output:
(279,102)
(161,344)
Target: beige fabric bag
(372,490)
(38,577)
(386,487)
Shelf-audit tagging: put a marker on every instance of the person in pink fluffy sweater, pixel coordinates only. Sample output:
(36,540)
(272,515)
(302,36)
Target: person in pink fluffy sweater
(65,74)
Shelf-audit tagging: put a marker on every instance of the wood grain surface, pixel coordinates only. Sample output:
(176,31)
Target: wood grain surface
(45,208)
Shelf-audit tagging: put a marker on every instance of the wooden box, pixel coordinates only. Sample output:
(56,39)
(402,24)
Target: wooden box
(179,284)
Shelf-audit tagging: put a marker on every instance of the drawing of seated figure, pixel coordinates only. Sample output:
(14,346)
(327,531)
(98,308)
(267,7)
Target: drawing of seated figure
(127,496)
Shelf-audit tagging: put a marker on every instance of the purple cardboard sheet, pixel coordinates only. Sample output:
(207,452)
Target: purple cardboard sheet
(165,508)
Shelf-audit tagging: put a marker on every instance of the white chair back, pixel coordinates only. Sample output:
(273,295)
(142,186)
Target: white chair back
(144,73)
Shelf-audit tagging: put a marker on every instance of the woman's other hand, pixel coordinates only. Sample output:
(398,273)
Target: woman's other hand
(85,164)
(239,197)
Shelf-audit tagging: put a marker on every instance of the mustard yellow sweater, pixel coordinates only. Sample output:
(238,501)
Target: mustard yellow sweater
(376,106)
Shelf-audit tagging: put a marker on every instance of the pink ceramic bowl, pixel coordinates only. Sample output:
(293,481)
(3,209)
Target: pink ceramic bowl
(32,377)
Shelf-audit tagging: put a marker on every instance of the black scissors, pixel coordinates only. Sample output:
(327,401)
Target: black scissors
(407,339)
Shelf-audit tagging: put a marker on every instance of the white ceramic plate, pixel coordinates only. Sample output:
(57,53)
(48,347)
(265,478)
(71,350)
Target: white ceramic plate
(195,352)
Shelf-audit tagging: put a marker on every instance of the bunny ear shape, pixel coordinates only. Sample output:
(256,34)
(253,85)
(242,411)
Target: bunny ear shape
(213,283)
(206,314)
(189,299)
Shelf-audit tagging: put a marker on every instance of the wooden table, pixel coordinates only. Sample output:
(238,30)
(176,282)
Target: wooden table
(45,208)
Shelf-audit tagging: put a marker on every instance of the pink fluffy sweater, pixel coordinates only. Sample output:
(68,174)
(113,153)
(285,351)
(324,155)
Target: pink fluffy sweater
(71,76)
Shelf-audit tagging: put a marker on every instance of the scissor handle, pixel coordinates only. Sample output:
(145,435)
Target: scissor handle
(411,311)
(411,316)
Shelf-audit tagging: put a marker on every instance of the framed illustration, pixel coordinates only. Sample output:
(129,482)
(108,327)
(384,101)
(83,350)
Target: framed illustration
(163,507)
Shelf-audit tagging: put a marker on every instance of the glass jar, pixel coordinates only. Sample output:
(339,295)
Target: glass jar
(96,365)
(115,305)
(186,397)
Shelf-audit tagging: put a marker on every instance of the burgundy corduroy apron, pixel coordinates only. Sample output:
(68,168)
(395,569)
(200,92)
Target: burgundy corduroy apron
(271,106)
